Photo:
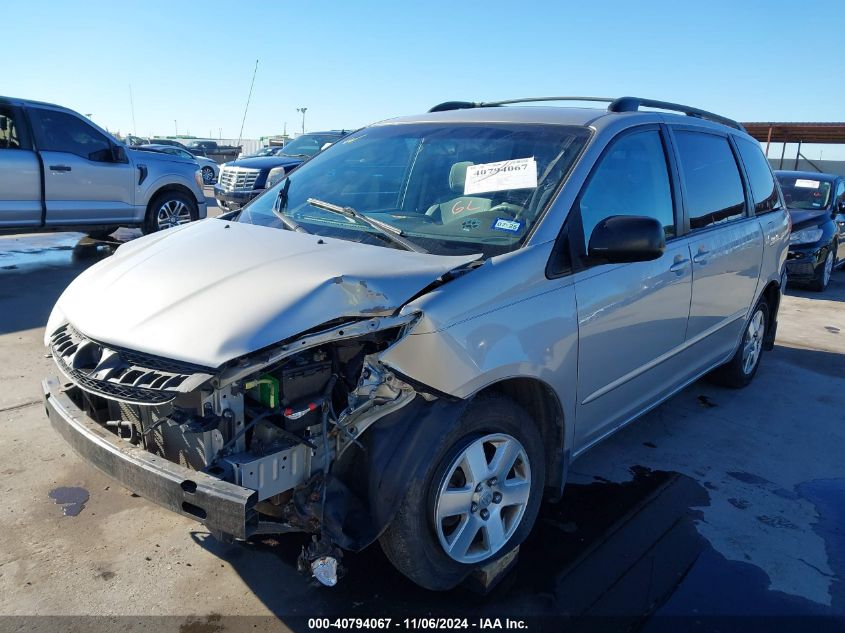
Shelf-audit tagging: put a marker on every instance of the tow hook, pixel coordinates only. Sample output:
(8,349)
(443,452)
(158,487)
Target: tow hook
(321,561)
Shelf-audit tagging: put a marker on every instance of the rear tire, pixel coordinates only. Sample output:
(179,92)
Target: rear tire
(741,369)
(493,511)
(168,209)
(825,270)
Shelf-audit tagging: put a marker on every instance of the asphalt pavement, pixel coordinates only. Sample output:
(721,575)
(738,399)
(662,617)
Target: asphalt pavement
(719,503)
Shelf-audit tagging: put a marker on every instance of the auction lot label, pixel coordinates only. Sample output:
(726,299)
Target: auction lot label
(519,173)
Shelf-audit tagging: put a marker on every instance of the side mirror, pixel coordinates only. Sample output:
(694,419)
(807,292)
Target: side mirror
(840,207)
(620,239)
(118,154)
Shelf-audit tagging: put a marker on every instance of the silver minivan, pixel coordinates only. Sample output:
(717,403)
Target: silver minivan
(411,337)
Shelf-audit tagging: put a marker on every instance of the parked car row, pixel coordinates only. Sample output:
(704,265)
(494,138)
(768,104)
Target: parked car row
(420,328)
(242,180)
(60,171)
(817,207)
(208,168)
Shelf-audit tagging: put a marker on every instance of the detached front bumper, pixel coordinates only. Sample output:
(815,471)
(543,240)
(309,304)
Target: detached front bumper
(219,505)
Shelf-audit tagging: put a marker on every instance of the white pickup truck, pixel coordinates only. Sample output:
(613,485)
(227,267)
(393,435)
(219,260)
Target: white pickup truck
(59,171)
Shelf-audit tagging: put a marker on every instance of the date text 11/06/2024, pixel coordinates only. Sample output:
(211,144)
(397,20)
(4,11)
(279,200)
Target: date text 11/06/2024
(417,623)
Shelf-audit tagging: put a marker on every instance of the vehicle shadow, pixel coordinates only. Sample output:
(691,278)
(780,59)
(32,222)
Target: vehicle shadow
(606,557)
(835,291)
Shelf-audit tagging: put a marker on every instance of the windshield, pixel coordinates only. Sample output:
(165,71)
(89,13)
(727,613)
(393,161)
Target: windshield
(805,193)
(450,190)
(308,144)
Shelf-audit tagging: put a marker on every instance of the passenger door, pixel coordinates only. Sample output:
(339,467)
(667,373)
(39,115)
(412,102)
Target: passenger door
(20,177)
(725,242)
(83,184)
(632,318)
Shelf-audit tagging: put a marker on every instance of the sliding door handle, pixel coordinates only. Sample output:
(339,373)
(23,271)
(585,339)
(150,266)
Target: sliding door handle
(59,167)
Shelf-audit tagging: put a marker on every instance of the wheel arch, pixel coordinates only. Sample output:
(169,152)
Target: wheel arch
(544,407)
(771,293)
(174,186)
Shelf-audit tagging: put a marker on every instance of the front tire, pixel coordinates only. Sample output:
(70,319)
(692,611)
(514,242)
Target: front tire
(822,276)
(169,209)
(478,499)
(741,369)
(208,175)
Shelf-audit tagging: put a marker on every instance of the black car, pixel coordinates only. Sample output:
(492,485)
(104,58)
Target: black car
(242,180)
(816,205)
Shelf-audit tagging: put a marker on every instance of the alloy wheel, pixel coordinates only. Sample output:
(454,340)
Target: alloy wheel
(483,497)
(208,175)
(752,343)
(828,269)
(172,213)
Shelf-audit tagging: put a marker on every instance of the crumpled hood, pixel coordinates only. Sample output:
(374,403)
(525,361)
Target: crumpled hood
(215,290)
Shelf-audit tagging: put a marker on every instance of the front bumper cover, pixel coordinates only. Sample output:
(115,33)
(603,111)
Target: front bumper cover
(235,198)
(803,261)
(219,505)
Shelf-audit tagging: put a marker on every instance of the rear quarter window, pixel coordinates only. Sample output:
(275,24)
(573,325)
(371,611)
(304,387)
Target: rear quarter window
(760,176)
(713,191)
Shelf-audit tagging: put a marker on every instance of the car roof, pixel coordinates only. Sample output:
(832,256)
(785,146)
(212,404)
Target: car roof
(161,146)
(809,175)
(23,102)
(597,118)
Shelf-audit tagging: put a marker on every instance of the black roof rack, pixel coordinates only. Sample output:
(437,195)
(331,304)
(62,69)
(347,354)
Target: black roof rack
(622,104)
(632,104)
(463,105)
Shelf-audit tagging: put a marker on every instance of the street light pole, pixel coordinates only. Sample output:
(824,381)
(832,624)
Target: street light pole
(175,127)
(303,117)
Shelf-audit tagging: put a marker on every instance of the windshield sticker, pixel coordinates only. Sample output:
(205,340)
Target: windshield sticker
(503,224)
(807,184)
(520,173)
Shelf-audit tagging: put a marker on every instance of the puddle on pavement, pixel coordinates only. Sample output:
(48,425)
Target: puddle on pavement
(53,250)
(828,496)
(609,555)
(72,499)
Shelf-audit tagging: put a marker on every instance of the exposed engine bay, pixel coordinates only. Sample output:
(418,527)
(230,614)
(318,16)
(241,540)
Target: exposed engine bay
(275,422)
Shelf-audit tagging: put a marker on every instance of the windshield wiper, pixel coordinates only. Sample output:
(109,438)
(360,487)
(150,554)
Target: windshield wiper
(281,203)
(388,230)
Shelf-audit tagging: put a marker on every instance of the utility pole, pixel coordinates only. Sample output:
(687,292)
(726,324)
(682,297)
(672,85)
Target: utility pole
(175,127)
(303,117)
(132,106)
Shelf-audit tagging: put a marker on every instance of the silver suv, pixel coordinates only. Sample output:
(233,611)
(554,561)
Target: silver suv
(59,171)
(412,336)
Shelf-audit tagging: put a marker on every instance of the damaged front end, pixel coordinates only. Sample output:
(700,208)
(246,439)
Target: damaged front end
(272,442)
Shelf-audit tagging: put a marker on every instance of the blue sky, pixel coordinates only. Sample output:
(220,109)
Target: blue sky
(351,63)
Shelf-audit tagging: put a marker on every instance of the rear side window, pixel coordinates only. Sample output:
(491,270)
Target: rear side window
(760,176)
(11,130)
(713,187)
(62,132)
(631,179)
